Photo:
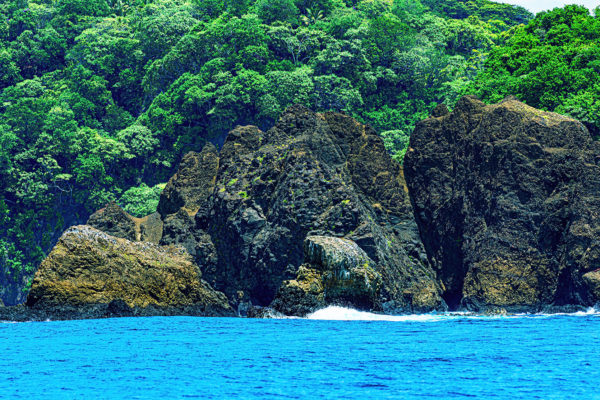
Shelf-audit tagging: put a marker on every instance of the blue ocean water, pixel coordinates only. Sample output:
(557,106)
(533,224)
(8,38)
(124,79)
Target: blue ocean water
(369,357)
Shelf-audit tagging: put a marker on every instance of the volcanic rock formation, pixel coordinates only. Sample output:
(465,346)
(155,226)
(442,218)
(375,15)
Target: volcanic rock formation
(113,220)
(336,271)
(312,174)
(245,213)
(507,199)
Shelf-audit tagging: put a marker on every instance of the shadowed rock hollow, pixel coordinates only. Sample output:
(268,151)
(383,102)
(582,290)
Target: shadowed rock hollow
(507,199)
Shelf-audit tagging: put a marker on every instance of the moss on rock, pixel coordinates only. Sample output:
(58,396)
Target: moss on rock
(89,267)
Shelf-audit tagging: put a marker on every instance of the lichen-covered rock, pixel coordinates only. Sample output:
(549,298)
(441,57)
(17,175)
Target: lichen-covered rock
(333,254)
(115,221)
(507,199)
(348,274)
(179,229)
(336,271)
(312,174)
(244,214)
(521,284)
(150,228)
(302,295)
(88,268)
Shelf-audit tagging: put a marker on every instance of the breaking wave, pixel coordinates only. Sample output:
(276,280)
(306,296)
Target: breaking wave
(336,313)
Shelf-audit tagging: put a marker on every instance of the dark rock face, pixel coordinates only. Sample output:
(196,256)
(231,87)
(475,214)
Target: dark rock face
(592,282)
(312,174)
(507,200)
(90,272)
(113,220)
(244,216)
(192,184)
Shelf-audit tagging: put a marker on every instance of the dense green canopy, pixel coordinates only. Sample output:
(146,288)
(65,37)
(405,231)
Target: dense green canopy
(553,63)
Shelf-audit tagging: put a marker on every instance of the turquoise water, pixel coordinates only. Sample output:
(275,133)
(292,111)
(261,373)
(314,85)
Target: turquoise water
(442,357)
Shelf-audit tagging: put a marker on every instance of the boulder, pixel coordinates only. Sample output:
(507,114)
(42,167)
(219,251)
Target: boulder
(192,184)
(507,199)
(336,271)
(91,270)
(115,221)
(244,214)
(150,228)
(592,281)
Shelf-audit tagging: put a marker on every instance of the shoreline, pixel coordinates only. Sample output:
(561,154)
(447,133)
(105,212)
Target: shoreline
(22,313)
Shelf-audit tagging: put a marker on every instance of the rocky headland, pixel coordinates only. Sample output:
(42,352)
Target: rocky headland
(499,213)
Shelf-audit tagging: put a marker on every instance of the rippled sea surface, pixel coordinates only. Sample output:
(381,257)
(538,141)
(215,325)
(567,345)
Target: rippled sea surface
(442,357)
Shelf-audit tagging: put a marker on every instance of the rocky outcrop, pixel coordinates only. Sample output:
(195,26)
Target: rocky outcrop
(244,215)
(335,271)
(313,210)
(320,175)
(592,282)
(113,220)
(90,273)
(507,199)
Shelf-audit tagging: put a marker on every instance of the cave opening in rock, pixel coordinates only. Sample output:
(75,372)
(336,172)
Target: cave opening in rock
(453,299)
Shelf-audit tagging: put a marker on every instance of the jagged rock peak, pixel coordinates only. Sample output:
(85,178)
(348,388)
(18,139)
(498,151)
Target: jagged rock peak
(312,174)
(244,214)
(115,221)
(440,111)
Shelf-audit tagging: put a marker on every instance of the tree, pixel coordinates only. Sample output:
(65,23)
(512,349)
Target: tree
(277,10)
(553,63)
(141,200)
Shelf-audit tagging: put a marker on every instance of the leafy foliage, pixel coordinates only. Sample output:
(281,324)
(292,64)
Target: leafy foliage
(461,9)
(141,200)
(553,63)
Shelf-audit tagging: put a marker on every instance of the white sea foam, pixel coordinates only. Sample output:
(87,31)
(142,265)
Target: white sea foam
(335,313)
(589,311)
